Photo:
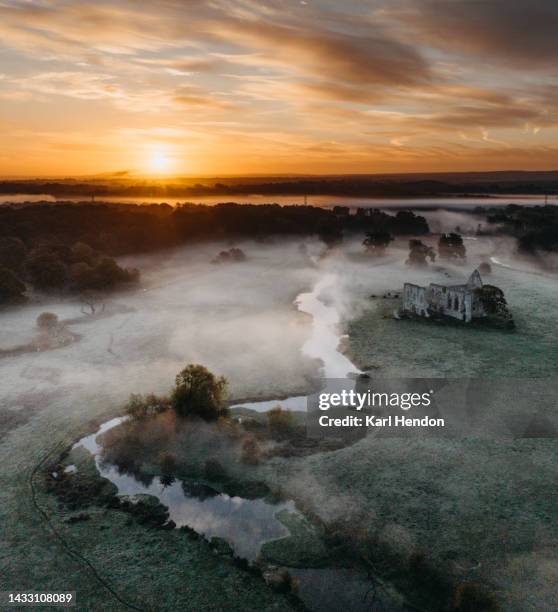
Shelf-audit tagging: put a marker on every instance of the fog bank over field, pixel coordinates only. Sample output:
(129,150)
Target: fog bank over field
(238,319)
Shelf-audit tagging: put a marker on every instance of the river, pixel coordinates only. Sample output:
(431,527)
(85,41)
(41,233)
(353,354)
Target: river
(323,344)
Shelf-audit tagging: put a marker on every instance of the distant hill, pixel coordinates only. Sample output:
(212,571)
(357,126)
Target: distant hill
(361,185)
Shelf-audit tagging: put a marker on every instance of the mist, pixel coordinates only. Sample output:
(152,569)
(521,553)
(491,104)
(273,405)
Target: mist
(238,319)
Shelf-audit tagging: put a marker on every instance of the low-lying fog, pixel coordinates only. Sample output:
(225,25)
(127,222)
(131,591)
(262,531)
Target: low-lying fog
(238,319)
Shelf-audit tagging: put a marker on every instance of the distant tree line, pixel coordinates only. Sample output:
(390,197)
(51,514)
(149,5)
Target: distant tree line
(356,186)
(71,246)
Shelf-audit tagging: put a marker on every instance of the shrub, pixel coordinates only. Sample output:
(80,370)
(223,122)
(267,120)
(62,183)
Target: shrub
(198,392)
(141,407)
(47,320)
(232,255)
(279,421)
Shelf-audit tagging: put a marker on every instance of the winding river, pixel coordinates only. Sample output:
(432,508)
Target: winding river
(323,344)
(246,524)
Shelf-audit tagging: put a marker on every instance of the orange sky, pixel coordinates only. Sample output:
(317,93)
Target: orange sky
(239,86)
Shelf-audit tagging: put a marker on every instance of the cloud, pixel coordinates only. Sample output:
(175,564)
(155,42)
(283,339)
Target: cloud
(341,56)
(518,33)
(192,96)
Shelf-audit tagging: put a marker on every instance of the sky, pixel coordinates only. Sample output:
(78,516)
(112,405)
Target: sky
(225,87)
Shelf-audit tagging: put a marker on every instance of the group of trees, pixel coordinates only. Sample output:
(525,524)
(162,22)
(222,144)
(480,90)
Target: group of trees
(71,246)
(450,247)
(377,242)
(56,267)
(197,393)
(117,229)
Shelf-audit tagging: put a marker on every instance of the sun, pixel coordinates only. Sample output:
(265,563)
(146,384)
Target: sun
(158,162)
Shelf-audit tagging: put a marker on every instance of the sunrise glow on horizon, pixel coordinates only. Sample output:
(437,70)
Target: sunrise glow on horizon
(243,87)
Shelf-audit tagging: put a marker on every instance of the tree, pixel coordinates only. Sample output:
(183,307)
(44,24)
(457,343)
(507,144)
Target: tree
(11,288)
(82,252)
(106,274)
(93,301)
(419,252)
(109,274)
(406,222)
(377,242)
(198,392)
(82,276)
(45,269)
(12,253)
(450,246)
(279,421)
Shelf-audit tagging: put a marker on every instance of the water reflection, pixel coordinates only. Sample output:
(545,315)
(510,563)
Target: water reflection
(245,523)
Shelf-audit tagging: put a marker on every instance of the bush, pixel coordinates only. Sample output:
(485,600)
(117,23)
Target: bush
(140,407)
(47,321)
(200,393)
(233,255)
(279,421)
